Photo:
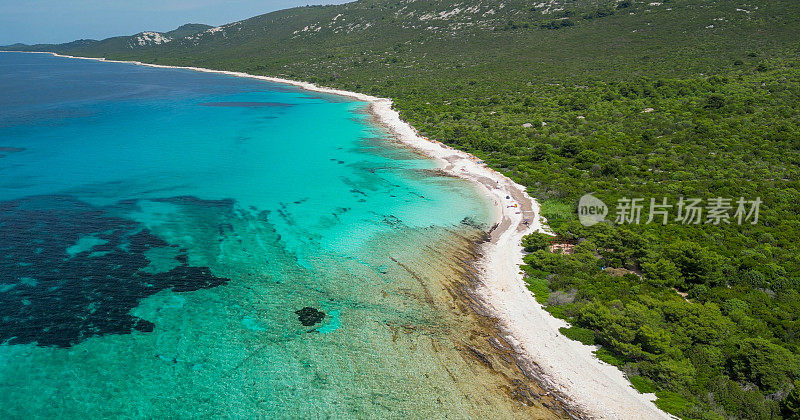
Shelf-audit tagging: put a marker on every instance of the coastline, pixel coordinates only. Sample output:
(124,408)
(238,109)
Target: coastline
(589,387)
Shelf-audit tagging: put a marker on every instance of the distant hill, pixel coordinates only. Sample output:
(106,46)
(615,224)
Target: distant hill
(115,44)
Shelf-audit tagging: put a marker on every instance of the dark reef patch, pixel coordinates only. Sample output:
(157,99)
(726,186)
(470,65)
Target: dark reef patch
(309,316)
(53,297)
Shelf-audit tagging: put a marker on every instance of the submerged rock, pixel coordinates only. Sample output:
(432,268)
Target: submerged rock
(309,316)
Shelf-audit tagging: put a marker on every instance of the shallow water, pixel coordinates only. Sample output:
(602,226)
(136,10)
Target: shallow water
(163,230)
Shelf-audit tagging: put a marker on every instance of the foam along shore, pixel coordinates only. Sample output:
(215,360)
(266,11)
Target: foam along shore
(589,387)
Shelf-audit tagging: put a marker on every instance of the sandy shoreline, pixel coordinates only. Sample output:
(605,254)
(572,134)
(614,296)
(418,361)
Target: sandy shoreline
(590,387)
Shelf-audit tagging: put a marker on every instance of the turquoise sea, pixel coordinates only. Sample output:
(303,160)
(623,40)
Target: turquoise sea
(185,244)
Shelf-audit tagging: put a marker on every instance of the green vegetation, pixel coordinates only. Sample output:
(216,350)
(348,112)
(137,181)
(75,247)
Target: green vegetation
(585,336)
(536,242)
(621,99)
(539,287)
(790,406)
(672,403)
(643,385)
(609,357)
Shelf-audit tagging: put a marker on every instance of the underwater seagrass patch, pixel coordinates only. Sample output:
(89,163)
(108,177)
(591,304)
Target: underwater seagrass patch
(56,292)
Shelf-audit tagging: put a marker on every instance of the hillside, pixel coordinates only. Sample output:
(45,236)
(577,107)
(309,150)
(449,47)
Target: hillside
(374,40)
(680,98)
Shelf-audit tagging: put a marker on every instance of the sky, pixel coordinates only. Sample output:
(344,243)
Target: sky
(57,21)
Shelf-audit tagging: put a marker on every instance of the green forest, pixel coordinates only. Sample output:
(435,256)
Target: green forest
(680,98)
